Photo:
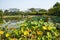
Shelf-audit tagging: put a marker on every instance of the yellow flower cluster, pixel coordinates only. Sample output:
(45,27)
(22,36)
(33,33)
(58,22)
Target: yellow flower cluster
(47,28)
(7,34)
(1,32)
(26,33)
(44,27)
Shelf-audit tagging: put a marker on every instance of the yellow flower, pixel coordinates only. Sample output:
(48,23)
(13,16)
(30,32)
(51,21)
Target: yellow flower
(1,32)
(39,32)
(26,33)
(44,27)
(7,34)
(49,28)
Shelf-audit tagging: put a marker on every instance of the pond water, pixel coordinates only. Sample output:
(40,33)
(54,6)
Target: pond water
(11,22)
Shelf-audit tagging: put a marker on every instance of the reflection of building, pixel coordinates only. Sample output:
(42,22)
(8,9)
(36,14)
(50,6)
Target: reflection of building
(13,10)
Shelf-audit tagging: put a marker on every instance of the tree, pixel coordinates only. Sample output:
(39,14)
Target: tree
(14,11)
(57,4)
(32,9)
(42,11)
(51,11)
(6,12)
(55,10)
(1,13)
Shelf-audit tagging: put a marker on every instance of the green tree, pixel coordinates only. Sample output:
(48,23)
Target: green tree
(51,11)
(57,4)
(1,13)
(6,12)
(42,11)
(55,10)
(32,11)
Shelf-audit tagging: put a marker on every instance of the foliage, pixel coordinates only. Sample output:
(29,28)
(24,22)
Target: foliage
(57,4)
(6,12)
(55,10)
(31,29)
(1,13)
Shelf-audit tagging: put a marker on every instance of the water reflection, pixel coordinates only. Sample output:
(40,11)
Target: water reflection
(11,22)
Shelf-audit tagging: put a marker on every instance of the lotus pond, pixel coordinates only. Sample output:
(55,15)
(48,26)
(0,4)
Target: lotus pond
(35,28)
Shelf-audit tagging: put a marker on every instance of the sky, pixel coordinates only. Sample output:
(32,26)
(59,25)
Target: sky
(26,4)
